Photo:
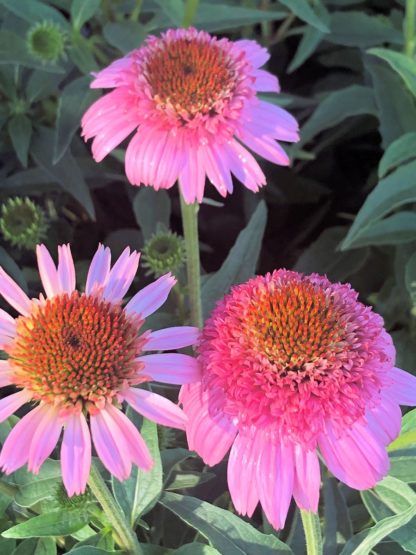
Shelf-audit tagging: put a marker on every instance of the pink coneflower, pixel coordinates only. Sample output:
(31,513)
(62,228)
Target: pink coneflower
(78,356)
(191,98)
(293,364)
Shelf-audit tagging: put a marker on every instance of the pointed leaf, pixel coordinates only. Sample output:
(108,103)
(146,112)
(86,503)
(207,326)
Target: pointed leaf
(399,151)
(56,523)
(20,131)
(402,64)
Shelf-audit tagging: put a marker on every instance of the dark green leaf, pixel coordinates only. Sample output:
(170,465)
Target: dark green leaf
(173,9)
(82,11)
(398,228)
(403,465)
(240,263)
(56,523)
(33,11)
(410,278)
(125,36)
(33,489)
(303,10)
(225,531)
(10,266)
(20,131)
(311,38)
(42,84)
(338,527)
(172,457)
(196,549)
(402,64)
(399,151)
(354,28)
(222,17)
(81,55)
(91,550)
(151,208)
(34,546)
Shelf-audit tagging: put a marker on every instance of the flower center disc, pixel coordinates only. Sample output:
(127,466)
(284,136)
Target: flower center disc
(75,348)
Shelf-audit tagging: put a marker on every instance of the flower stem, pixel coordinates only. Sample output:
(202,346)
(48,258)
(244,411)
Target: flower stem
(312,529)
(126,536)
(410,28)
(190,231)
(191,7)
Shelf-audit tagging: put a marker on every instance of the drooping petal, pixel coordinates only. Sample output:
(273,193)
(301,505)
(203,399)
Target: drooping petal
(110,444)
(155,407)
(121,276)
(192,177)
(99,270)
(6,373)
(45,437)
(172,159)
(151,297)
(170,339)
(242,473)
(76,454)
(217,171)
(403,387)
(266,82)
(266,147)
(385,418)
(264,118)
(307,478)
(13,294)
(255,53)
(10,404)
(47,271)
(209,432)
(66,269)
(173,368)
(244,166)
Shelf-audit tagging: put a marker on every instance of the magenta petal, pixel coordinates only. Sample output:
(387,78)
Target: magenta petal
(173,368)
(255,53)
(266,147)
(47,271)
(307,479)
(121,276)
(151,297)
(76,454)
(66,269)
(155,407)
(6,373)
(242,475)
(266,82)
(244,166)
(117,74)
(45,438)
(385,419)
(170,339)
(217,171)
(99,270)
(13,294)
(403,387)
(192,177)
(10,404)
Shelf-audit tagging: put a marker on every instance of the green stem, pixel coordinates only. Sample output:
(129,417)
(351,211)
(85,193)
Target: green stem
(312,529)
(191,7)
(134,16)
(410,28)
(190,232)
(126,536)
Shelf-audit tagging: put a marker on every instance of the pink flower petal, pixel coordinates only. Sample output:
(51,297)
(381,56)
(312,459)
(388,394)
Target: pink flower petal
(13,294)
(209,432)
(244,166)
(99,270)
(266,147)
(66,269)
(151,297)
(117,74)
(47,271)
(76,454)
(7,323)
(307,478)
(255,53)
(264,118)
(170,339)
(403,387)
(10,404)
(385,419)
(173,368)
(121,276)
(266,82)
(45,437)
(6,373)
(155,407)
(242,475)
(172,160)
(192,177)
(218,172)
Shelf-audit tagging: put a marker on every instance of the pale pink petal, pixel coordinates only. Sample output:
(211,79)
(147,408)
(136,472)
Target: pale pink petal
(15,451)
(385,419)
(99,270)
(192,177)
(264,118)
(13,294)
(275,479)
(117,74)
(242,474)
(244,166)
(47,271)
(138,449)
(10,404)
(217,171)
(7,323)
(307,478)
(76,454)
(209,432)
(110,444)
(66,269)
(402,388)
(155,407)
(151,297)
(6,373)
(256,54)
(266,147)
(45,438)
(266,82)
(173,368)
(170,339)
(121,276)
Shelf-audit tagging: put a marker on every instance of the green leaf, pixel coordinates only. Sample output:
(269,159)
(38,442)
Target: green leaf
(399,151)
(402,64)
(75,98)
(226,532)
(222,17)
(394,190)
(66,172)
(196,549)
(173,9)
(410,281)
(311,38)
(13,51)
(403,465)
(80,55)
(173,457)
(337,106)
(398,228)
(20,131)
(91,550)
(357,29)
(10,266)
(338,527)
(404,440)
(56,523)
(42,84)
(150,209)
(303,10)
(82,11)
(33,489)
(34,546)
(139,493)
(33,11)
(125,36)
(240,263)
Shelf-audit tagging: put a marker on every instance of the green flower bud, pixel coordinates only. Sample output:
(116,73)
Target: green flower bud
(74,502)
(46,41)
(22,222)
(164,252)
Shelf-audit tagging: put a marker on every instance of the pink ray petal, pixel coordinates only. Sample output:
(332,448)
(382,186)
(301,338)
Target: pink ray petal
(140,155)
(99,270)
(192,177)
(66,269)
(45,438)
(385,418)
(151,297)
(7,323)
(264,119)
(121,276)
(255,53)
(172,162)
(10,404)
(47,271)
(13,294)
(170,339)
(266,82)
(242,474)
(244,166)
(6,373)
(117,74)
(307,478)
(209,432)
(266,147)
(217,171)
(76,454)
(403,387)
(155,407)
(173,368)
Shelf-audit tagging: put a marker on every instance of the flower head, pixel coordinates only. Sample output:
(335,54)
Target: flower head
(192,99)
(164,250)
(46,41)
(22,222)
(78,356)
(293,364)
